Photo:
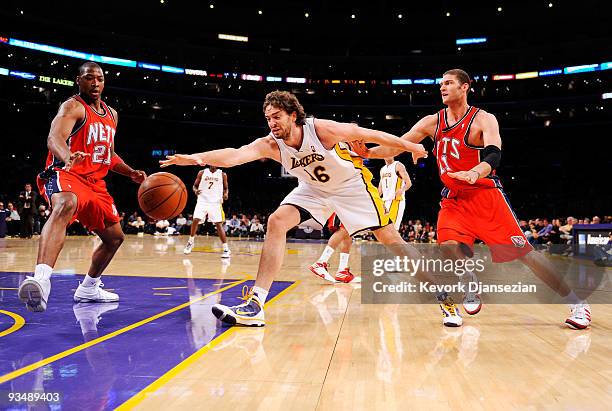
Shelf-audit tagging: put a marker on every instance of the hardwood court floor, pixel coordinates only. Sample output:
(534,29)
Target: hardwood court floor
(322,349)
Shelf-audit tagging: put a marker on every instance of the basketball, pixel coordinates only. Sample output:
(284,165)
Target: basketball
(162,196)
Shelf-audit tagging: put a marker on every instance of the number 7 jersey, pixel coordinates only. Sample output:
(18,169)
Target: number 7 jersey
(94,135)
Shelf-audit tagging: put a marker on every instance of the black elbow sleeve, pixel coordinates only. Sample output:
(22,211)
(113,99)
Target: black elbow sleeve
(491,154)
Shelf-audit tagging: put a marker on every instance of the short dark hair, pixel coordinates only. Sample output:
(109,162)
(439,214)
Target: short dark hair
(461,75)
(83,67)
(286,101)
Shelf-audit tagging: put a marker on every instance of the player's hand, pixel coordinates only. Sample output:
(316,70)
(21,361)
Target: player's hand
(470,176)
(197,192)
(359,148)
(75,158)
(138,176)
(182,160)
(224,197)
(418,152)
(398,194)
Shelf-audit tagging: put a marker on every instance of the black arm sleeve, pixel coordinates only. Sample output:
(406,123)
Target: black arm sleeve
(492,155)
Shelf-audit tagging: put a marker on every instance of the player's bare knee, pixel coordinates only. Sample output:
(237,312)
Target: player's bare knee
(115,241)
(65,206)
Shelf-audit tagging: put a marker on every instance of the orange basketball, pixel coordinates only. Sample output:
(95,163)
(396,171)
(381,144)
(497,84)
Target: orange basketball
(162,196)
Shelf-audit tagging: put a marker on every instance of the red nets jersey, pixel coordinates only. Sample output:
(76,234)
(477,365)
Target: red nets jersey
(454,153)
(95,136)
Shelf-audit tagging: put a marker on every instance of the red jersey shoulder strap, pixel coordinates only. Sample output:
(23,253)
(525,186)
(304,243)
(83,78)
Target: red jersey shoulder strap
(109,111)
(469,120)
(439,125)
(81,123)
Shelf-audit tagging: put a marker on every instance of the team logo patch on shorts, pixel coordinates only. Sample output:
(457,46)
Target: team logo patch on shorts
(518,241)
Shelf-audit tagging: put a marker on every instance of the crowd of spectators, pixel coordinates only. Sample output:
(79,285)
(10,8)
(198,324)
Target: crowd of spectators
(27,214)
(557,230)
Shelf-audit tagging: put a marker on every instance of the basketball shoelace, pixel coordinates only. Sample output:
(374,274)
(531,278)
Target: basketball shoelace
(247,292)
(247,297)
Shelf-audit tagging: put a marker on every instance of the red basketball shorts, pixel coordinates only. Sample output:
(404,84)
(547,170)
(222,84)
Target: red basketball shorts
(483,214)
(95,207)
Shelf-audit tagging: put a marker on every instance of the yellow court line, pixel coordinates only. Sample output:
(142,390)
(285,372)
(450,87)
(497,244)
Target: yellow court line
(169,288)
(164,379)
(49,360)
(18,322)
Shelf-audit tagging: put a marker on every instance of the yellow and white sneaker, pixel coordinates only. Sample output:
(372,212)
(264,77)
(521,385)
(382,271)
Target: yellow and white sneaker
(451,317)
(249,313)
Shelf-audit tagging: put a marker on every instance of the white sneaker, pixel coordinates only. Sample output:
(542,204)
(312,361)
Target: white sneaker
(35,294)
(188,247)
(226,254)
(95,294)
(320,270)
(580,316)
(472,303)
(451,317)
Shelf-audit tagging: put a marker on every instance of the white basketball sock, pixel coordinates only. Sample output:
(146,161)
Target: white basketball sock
(344,261)
(261,293)
(191,239)
(326,254)
(89,281)
(43,272)
(225,247)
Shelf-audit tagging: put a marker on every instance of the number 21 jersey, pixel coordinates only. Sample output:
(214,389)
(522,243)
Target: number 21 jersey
(93,135)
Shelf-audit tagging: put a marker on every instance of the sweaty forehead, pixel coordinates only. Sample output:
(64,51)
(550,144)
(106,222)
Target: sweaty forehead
(93,71)
(271,110)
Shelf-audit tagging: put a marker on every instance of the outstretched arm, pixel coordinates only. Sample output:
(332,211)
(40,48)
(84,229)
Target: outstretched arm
(264,147)
(331,132)
(423,128)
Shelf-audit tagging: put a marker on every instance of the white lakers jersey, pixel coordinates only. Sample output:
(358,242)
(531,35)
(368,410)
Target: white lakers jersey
(390,181)
(315,165)
(211,186)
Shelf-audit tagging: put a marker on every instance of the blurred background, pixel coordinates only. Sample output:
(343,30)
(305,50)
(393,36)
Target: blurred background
(190,77)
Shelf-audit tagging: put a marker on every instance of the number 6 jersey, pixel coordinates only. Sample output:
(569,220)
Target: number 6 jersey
(313,164)
(93,135)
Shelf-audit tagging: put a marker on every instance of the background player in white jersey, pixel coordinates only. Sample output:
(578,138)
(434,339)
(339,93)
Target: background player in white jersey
(341,239)
(211,188)
(328,181)
(394,181)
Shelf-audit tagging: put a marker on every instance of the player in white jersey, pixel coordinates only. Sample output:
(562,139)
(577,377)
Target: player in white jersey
(394,181)
(211,188)
(328,181)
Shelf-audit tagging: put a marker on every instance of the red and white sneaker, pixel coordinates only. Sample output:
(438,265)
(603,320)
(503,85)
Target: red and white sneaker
(580,316)
(320,270)
(345,276)
(472,303)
